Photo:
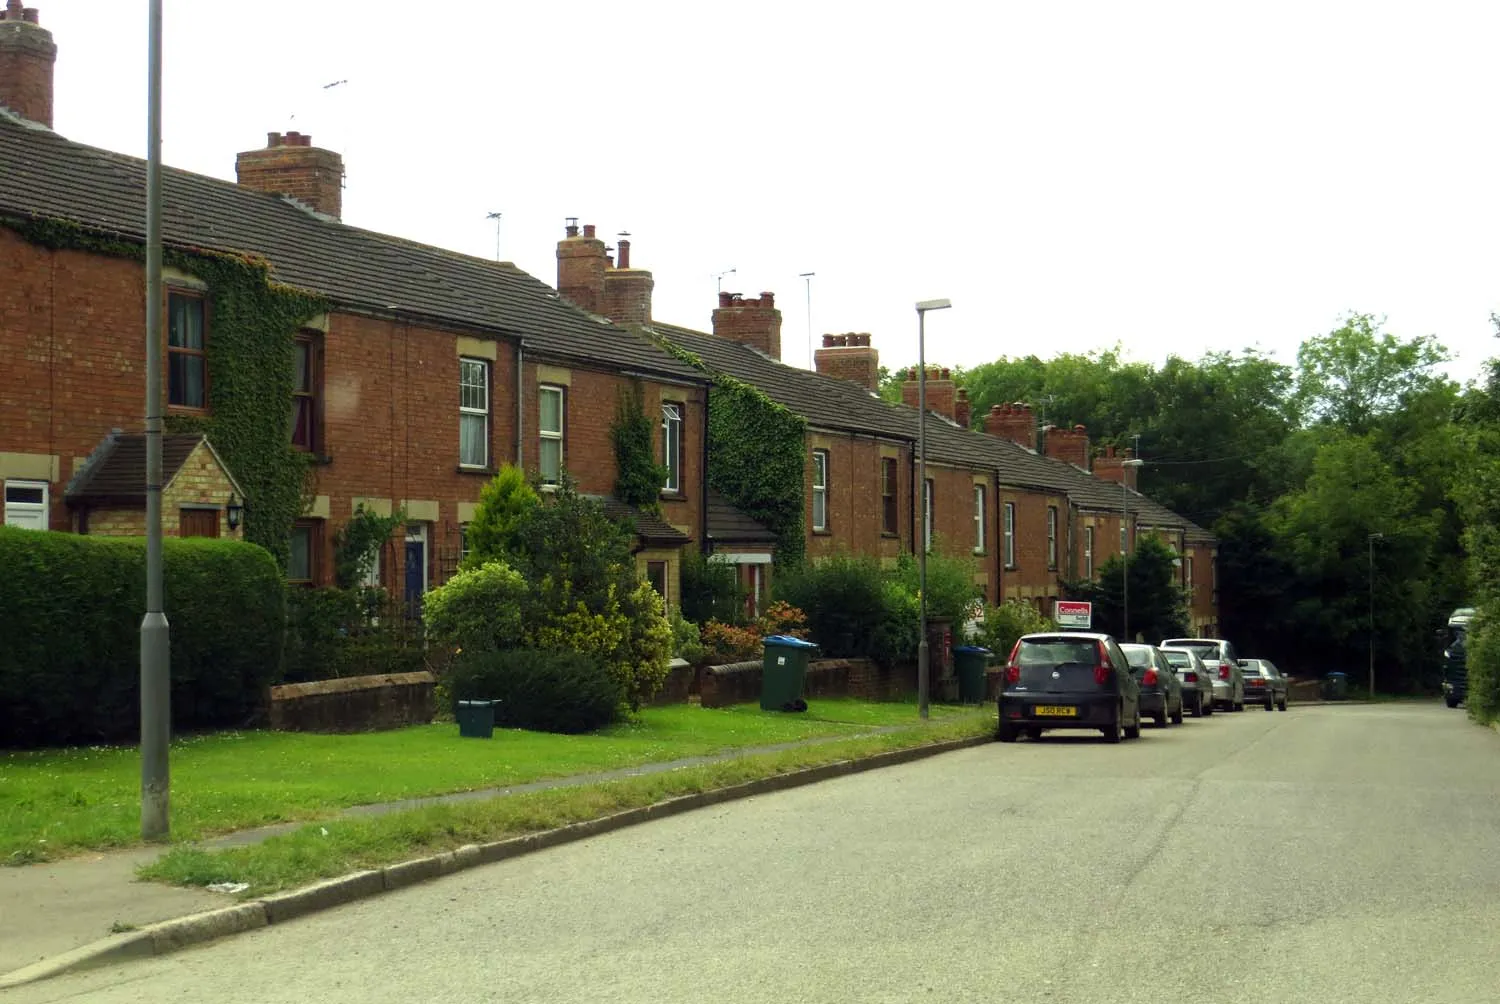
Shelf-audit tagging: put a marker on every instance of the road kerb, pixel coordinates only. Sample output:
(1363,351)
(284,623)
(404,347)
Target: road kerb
(171,935)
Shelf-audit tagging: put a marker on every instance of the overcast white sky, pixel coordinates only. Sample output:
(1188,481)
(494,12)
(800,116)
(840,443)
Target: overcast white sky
(1172,177)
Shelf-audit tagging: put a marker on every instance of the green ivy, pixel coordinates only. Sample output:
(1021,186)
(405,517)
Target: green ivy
(639,477)
(756,456)
(253,324)
(356,546)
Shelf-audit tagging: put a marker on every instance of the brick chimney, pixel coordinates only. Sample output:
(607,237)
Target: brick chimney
(849,357)
(627,291)
(941,394)
(961,410)
(581,264)
(1013,422)
(1070,445)
(27,54)
(291,165)
(756,323)
(1109,467)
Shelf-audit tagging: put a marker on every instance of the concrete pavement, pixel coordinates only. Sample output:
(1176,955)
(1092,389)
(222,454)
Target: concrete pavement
(1336,854)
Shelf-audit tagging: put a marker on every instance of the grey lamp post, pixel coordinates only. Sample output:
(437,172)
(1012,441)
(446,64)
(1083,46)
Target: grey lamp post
(1125,544)
(1372,539)
(923,306)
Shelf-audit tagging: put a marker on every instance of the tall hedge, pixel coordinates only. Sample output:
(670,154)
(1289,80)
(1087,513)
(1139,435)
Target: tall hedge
(70,614)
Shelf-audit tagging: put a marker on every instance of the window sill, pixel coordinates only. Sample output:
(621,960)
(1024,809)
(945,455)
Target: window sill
(888,535)
(980,553)
(487,472)
(315,458)
(184,409)
(674,496)
(825,532)
(1012,568)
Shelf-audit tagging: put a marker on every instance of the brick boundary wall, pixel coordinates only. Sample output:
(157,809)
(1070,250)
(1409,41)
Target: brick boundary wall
(354,703)
(739,682)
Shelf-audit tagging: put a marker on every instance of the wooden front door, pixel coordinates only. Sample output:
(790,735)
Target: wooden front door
(199,523)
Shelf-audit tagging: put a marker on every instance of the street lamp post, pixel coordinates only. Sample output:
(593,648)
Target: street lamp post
(1125,545)
(923,306)
(1372,539)
(807,277)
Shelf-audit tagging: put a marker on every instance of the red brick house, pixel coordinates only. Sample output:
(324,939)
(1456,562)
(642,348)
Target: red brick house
(426,370)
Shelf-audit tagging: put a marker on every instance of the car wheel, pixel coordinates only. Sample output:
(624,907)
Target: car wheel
(1210,707)
(1450,700)
(1177,718)
(1160,718)
(1006,733)
(1111,733)
(1238,706)
(1134,731)
(1281,704)
(1270,705)
(1033,734)
(1198,707)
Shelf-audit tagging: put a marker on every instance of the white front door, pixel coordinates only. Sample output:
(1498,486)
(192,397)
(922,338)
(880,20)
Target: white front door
(26,504)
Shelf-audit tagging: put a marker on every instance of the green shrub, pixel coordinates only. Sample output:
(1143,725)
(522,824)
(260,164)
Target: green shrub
(70,663)
(844,599)
(477,610)
(1483,662)
(687,639)
(1004,624)
(505,502)
(951,592)
(711,590)
(357,544)
(899,629)
(333,633)
(543,691)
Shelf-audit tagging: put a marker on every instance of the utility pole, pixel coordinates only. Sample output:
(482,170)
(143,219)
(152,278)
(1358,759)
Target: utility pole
(156,649)
(1125,543)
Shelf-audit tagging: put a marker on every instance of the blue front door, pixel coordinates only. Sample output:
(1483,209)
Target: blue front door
(416,567)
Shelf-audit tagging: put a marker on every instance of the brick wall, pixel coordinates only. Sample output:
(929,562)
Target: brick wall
(855,498)
(942,392)
(291,165)
(1203,611)
(953,523)
(1032,577)
(27,54)
(199,482)
(1068,445)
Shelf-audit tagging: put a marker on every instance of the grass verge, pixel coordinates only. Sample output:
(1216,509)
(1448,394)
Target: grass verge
(338,847)
(58,802)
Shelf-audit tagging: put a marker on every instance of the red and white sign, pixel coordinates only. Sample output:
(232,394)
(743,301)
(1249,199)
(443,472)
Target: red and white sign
(1073,613)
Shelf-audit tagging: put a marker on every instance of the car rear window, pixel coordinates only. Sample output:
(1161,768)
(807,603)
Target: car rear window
(1058,651)
(1139,658)
(1205,649)
(1177,658)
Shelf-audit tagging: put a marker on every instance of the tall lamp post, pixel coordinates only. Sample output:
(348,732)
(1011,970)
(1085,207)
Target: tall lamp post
(807,277)
(1372,539)
(156,694)
(1125,543)
(923,306)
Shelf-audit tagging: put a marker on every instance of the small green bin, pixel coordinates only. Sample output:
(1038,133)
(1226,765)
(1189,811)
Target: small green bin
(476,719)
(784,672)
(970,662)
(1336,687)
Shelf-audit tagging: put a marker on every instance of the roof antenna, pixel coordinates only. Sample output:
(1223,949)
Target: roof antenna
(719,279)
(496,218)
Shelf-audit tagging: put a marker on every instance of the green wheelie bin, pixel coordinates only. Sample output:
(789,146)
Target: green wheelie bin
(969,662)
(783,673)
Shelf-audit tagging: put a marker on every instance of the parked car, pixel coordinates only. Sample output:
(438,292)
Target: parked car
(1069,680)
(1223,665)
(1197,683)
(1264,683)
(1161,691)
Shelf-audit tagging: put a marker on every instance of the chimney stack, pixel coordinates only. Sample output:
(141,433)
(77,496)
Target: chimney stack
(581,264)
(1068,445)
(849,357)
(291,165)
(1109,467)
(941,393)
(961,412)
(627,291)
(756,323)
(27,55)
(1013,422)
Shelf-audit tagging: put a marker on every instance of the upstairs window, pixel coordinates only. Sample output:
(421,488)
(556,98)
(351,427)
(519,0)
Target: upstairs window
(306,385)
(888,495)
(1010,535)
(473,412)
(671,446)
(978,519)
(1051,536)
(820,490)
(187,360)
(1088,553)
(550,429)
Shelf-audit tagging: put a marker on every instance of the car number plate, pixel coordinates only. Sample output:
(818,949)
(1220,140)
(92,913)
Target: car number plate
(1057,710)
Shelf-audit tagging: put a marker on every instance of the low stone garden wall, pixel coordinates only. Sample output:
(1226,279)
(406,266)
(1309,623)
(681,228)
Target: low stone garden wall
(681,683)
(354,703)
(739,682)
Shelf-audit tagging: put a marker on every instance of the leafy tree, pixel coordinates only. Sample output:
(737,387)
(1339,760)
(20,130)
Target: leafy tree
(1157,606)
(1358,373)
(505,502)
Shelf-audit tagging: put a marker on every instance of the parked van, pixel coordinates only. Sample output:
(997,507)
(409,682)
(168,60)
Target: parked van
(1455,657)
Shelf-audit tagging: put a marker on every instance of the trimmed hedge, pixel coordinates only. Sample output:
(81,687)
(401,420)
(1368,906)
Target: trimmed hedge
(70,615)
(539,690)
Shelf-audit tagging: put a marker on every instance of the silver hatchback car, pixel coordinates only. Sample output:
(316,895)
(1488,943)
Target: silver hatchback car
(1223,665)
(1197,682)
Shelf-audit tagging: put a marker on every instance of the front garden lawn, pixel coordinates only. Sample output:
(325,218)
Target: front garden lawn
(59,802)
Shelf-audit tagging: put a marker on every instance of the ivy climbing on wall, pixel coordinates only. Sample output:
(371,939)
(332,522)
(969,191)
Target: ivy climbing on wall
(253,324)
(638,477)
(756,455)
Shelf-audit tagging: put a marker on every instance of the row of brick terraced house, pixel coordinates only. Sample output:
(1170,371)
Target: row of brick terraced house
(427,369)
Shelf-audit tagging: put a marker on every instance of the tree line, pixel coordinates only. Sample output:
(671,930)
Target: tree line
(1338,486)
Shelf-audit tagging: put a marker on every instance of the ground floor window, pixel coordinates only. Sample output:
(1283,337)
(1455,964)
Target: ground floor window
(302,561)
(656,574)
(26,504)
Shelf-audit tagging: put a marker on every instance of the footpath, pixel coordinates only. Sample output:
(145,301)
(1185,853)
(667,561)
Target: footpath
(90,910)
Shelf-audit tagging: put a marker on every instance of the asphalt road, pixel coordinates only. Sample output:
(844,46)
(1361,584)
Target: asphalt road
(1327,854)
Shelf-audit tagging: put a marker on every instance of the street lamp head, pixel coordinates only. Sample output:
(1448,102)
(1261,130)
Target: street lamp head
(1377,536)
(1132,463)
(925,305)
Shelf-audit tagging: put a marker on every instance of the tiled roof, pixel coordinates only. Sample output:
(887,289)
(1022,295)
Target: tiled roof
(652,530)
(47,176)
(117,470)
(728,525)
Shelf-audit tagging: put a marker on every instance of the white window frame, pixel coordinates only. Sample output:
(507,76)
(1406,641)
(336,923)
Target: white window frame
(1051,537)
(671,446)
(547,435)
(979,519)
(26,509)
(820,490)
(1088,553)
(927,517)
(466,412)
(1010,535)
(1187,571)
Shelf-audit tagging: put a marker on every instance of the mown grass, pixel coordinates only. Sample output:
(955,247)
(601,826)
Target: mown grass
(58,802)
(337,847)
